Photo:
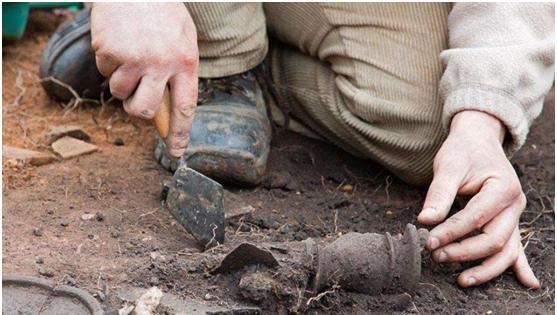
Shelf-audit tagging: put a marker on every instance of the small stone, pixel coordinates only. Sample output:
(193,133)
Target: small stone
(68,147)
(39,260)
(57,132)
(118,142)
(154,281)
(27,156)
(115,234)
(209,297)
(156,256)
(281,179)
(46,272)
(64,223)
(99,295)
(93,237)
(38,231)
(50,211)
(347,188)
(87,216)
(401,302)
(264,221)
(256,286)
(99,217)
(388,212)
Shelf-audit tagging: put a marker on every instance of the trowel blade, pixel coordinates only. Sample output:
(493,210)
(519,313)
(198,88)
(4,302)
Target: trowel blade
(196,201)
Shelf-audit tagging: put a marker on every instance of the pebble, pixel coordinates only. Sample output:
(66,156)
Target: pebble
(64,223)
(27,156)
(87,216)
(38,231)
(68,147)
(99,217)
(39,260)
(281,179)
(46,272)
(209,297)
(57,132)
(347,188)
(401,302)
(264,221)
(154,281)
(118,142)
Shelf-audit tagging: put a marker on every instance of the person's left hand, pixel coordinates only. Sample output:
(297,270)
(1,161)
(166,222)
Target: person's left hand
(471,161)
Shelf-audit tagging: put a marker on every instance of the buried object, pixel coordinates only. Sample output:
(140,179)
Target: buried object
(30,295)
(368,263)
(195,200)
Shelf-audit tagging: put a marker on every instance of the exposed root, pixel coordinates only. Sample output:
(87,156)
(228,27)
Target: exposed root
(319,296)
(388,182)
(20,87)
(76,100)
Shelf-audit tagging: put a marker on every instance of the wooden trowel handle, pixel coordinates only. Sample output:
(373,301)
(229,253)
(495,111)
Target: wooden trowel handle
(162,115)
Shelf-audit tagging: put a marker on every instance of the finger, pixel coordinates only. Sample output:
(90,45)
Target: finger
(123,83)
(524,272)
(440,195)
(494,265)
(183,88)
(106,66)
(494,237)
(484,206)
(147,98)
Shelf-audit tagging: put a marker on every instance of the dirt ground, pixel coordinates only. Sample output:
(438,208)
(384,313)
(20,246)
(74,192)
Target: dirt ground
(123,184)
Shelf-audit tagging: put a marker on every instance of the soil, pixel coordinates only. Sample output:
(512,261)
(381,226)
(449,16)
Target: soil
(134,241)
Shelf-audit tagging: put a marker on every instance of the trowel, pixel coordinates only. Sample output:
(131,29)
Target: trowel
(195,200)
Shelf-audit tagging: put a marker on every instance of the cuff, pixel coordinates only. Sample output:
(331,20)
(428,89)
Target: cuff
(495,102)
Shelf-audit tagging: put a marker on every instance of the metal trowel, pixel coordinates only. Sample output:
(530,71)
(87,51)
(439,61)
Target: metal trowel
(195,200)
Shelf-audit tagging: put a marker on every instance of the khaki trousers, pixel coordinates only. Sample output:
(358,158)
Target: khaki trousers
(362,76)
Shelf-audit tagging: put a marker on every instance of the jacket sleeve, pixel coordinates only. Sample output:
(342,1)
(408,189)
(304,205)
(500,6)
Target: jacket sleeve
(500,61)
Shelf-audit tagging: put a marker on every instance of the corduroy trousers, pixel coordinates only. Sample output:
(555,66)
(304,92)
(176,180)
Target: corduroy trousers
(363,76)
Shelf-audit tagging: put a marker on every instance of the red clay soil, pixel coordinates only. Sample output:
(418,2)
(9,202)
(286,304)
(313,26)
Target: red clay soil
(331,193)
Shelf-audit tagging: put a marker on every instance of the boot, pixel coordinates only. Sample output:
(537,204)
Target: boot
(231,133)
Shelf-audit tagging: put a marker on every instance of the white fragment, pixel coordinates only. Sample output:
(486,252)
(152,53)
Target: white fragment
(148,302)
(87,216)
(126,310)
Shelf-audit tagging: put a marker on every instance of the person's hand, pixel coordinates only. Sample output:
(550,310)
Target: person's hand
(471,161)
(142,48)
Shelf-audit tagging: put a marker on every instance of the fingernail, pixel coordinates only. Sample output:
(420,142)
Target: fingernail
(442,256)
(433,243)
(428,212)
(471,281)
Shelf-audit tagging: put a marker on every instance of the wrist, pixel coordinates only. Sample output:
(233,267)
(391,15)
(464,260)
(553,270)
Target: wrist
(477,123)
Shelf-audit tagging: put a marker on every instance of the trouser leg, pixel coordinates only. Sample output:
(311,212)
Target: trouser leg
(231,37)
(365,77)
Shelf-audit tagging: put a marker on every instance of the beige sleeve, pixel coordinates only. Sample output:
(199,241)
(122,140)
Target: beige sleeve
(500,61)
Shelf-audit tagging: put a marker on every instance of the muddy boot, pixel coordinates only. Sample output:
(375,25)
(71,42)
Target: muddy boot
(231,133)
(68,59)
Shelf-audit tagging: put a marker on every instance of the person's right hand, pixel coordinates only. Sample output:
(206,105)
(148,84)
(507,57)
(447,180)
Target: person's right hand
(142,48)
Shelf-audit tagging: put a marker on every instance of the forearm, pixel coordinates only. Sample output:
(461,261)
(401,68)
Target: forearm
(500,61)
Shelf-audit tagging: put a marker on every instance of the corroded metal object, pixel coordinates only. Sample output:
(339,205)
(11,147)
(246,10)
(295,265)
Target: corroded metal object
(368,263)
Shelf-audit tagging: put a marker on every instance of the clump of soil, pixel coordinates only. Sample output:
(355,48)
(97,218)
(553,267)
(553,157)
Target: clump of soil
(331,193)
